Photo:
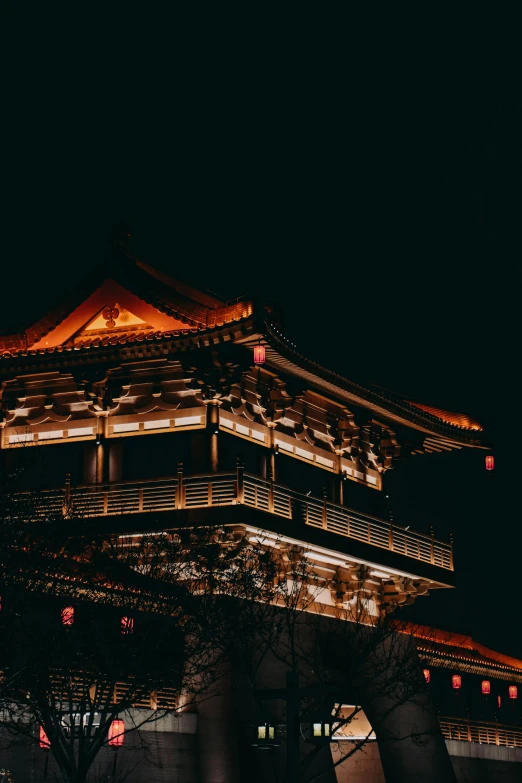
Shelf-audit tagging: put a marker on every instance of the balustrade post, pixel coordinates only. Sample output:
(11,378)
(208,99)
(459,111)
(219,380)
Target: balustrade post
(325,518)
(180,500)
(240,485)
(432,545)
(451,550)
(497,739)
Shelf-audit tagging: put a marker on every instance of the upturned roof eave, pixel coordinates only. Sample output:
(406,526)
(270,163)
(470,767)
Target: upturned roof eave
(136,278)
(282,355)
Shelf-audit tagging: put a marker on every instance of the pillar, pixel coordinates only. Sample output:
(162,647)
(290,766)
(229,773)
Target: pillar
(333,488)
(102,461)
(219,736)
(89,462)
(271,455)
(263,463)
(340,478)
(115,459)
(213,439)
(404,719)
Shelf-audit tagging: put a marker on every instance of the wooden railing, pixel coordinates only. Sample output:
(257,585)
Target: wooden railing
(481,732)
(226,489)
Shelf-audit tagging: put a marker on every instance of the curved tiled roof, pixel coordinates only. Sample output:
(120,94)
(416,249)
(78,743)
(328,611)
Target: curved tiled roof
(447,649)
(443,423)
(136,278)
(458,419)
(204,312)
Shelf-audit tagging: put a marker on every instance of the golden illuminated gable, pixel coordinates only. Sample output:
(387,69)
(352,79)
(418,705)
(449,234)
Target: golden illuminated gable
(114,316)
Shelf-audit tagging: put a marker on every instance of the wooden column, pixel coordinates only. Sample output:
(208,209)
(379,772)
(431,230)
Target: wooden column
(115,448)
(213,427)
(340,478)
(89,462)
(102,461)
(263,463)
(271,453)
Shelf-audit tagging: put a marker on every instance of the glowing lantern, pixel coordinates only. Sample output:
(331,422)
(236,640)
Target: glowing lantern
(116,733)
(67,615)
(486,687)
(490,462)
(127,625)
(427,675)
(499,702)
(44,741)
(513,692)
(259,354)
(456,682)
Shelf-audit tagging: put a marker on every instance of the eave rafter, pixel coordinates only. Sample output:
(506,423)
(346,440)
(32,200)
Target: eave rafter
(427,432)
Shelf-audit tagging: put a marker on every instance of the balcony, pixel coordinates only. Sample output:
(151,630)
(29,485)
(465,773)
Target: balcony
(214,490)
(481,732)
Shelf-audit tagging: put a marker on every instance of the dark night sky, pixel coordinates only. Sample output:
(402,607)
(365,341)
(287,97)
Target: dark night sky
(373,191)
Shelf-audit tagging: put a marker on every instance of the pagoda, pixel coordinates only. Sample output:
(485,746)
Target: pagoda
(154,400)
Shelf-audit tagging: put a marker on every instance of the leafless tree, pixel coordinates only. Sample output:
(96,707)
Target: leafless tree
(198,602)
(98,626)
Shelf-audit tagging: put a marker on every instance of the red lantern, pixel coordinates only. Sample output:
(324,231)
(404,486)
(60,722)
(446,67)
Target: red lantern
(259,354)
(44,741)
(490,462)
(427,675)
(456,682)
(499,702)
(486,687)
(127,625)
(67,615)
(513,692)
(116,733)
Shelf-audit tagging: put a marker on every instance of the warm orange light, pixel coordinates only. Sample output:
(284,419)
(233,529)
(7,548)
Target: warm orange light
(44,741)
(427,675)
(456,682)
(486,687)
(259,354)
(499,702)
(67,615)
(127,625)
(490,462)
(116,733)
(513,692)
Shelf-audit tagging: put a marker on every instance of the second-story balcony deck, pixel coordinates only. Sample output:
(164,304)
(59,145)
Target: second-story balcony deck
(283,511)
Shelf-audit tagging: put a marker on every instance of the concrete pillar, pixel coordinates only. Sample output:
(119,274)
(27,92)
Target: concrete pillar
(219,736)
(322,766)
(399,708)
